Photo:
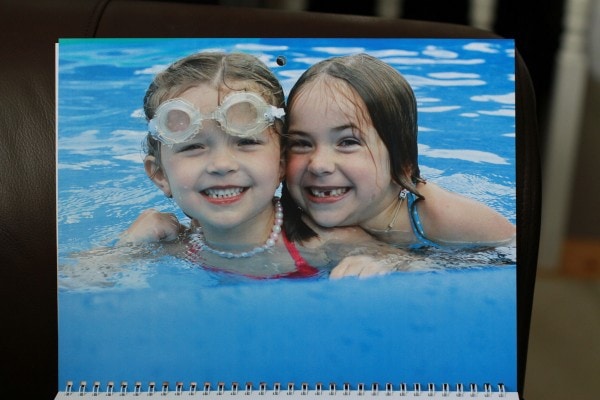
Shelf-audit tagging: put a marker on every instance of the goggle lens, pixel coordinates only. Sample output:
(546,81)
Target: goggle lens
(241,117)
(178,121)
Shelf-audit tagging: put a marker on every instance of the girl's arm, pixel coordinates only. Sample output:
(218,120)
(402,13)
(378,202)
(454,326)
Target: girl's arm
(367,265)
(453,219)
(361,255)
(128,259)
(153,226)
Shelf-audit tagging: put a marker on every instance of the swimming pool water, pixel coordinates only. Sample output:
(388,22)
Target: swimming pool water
(440,327)
(162,319)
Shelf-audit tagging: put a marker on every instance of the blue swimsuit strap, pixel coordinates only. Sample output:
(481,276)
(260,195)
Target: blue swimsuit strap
(415,221)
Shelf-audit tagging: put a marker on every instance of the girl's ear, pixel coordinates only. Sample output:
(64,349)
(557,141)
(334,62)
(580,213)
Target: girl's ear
(157,175)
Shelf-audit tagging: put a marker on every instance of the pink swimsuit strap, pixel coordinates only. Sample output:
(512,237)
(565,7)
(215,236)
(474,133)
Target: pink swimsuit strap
(303,268)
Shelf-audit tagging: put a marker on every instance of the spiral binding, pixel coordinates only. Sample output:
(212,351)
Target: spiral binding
(304,390)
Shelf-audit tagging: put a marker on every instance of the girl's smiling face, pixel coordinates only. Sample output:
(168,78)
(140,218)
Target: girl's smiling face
(222,181)
(338,169)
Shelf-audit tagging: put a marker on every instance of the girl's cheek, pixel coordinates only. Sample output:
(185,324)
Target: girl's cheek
(294,165)
(290,162)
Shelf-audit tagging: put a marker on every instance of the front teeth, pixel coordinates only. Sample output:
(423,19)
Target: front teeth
(329,192)
(223,193)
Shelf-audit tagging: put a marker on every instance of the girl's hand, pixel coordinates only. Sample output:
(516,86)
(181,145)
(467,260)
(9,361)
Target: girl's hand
(370,265)
(152,226)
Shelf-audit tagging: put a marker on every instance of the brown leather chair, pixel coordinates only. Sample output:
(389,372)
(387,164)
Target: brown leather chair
(27,147)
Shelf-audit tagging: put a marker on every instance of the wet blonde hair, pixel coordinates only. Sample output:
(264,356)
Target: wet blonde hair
(232,71)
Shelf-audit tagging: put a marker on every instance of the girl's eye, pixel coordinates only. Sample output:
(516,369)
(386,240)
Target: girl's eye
(190,147)
(298,144)
(350,141)
(249,142)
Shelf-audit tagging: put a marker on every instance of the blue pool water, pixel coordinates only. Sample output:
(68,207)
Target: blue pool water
(164,320)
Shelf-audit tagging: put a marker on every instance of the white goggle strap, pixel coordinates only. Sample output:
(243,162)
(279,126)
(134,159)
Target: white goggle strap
(276,113)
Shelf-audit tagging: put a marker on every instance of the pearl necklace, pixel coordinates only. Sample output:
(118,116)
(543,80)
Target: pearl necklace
(198,239)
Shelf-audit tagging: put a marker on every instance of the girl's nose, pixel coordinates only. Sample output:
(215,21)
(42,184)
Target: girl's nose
(222,161)
(322,162)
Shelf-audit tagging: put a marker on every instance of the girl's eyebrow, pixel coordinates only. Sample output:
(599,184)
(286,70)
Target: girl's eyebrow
(296,132)
(334,129)
(354,129)
(344,127)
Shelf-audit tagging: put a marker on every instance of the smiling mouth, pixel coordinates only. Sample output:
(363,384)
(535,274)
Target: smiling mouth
(325,193)
(224,193)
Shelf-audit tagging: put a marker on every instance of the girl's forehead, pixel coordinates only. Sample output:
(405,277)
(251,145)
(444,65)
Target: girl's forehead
(222,89)
(332,95)
(327,90)
(207,96)
(326,86)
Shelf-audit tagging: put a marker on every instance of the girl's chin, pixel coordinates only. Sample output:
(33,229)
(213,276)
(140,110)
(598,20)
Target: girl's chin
(328,221)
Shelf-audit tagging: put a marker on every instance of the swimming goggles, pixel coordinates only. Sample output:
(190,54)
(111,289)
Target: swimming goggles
(241,114)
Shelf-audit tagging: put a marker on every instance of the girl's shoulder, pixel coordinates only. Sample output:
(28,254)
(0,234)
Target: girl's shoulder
(439,202)
(449,217)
